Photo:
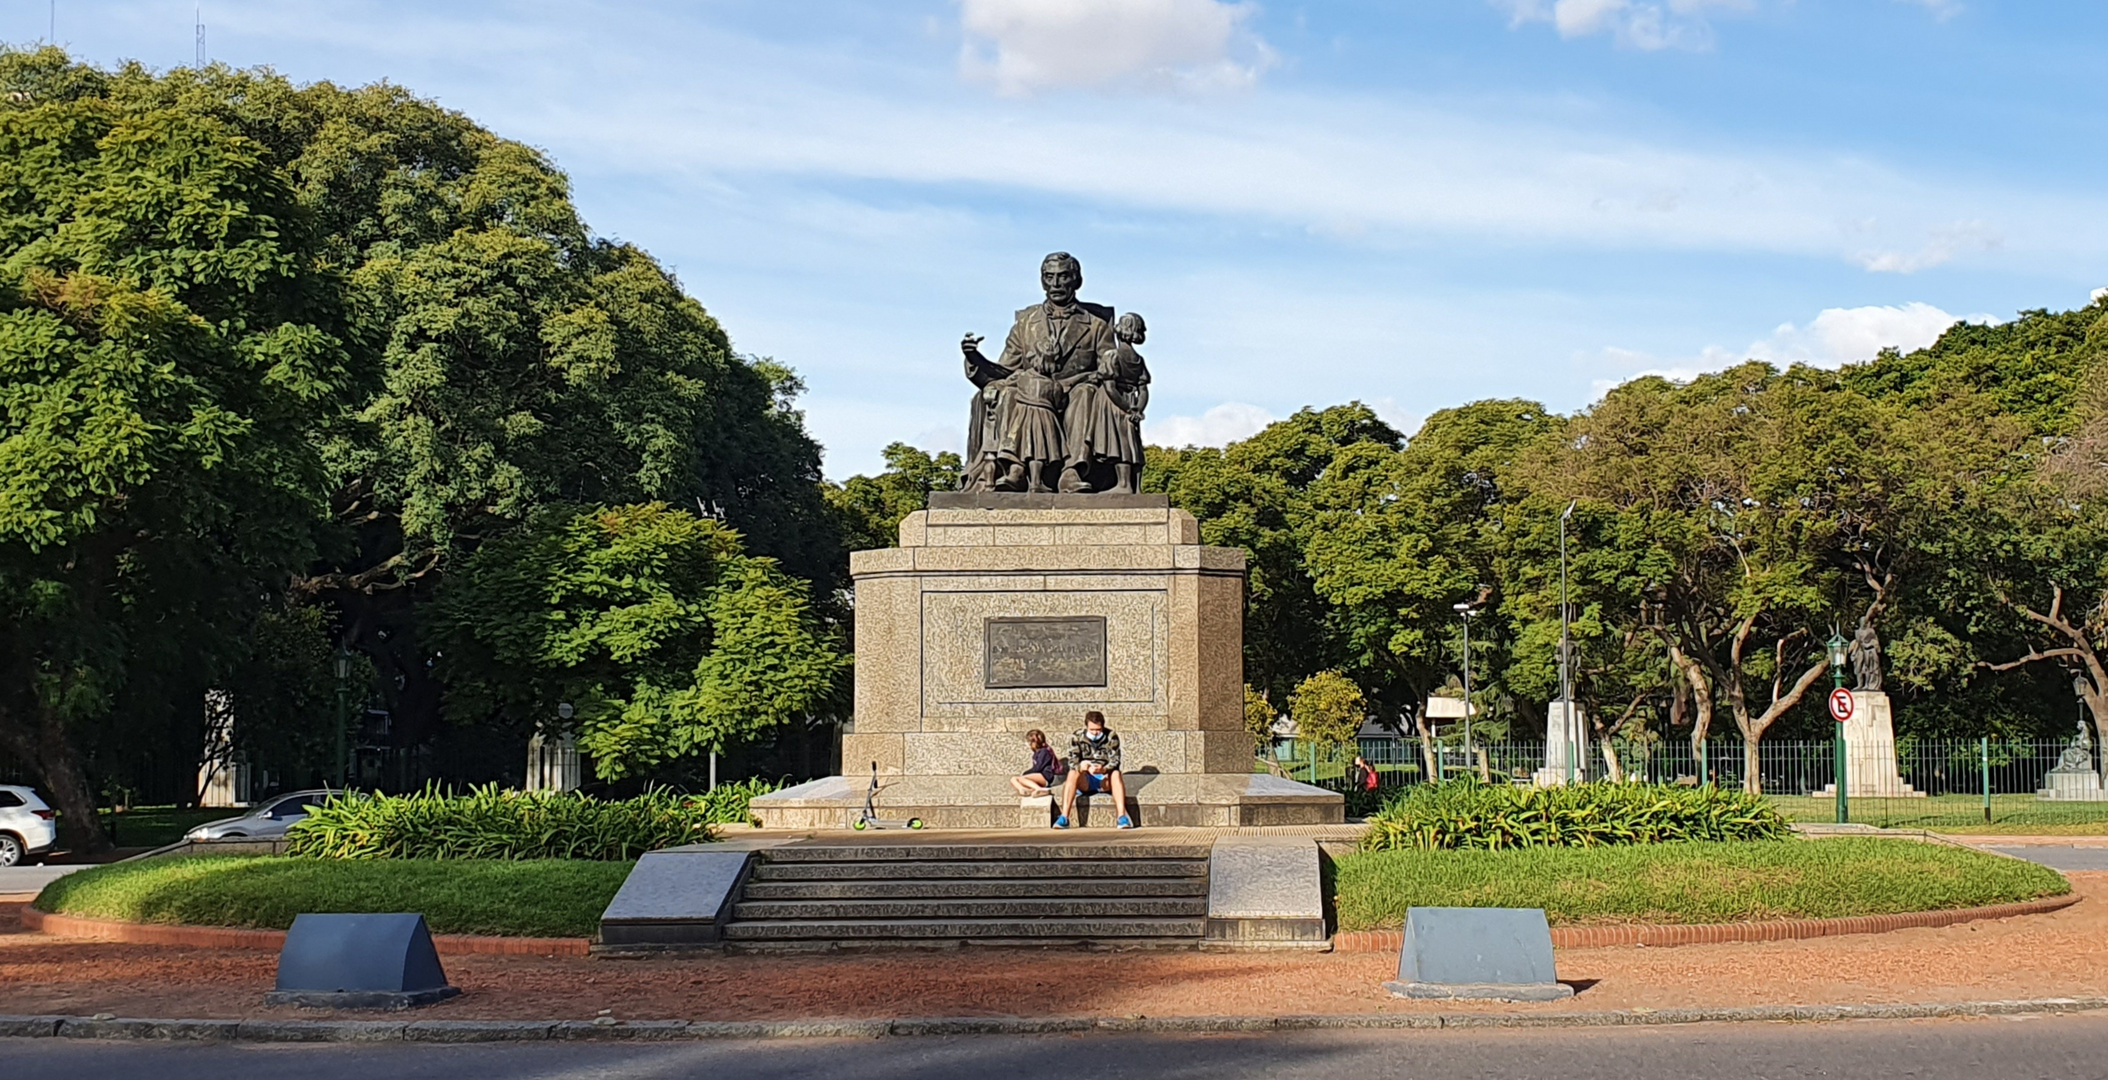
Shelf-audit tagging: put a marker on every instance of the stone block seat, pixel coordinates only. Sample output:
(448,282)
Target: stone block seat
(1155,800)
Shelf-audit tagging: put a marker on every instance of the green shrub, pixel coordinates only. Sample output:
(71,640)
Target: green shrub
(1686,883)
(1470,814)
(727,805)
(489,823)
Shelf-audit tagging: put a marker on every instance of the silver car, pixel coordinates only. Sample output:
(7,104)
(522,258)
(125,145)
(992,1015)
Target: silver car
(268,821)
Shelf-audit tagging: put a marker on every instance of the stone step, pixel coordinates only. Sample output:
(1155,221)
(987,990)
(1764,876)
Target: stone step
(768,868)
(1025,887)
(1065,908)
(1124,944)
(920,852)
(1034,930)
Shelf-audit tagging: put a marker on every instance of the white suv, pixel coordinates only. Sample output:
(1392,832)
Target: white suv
(27,827)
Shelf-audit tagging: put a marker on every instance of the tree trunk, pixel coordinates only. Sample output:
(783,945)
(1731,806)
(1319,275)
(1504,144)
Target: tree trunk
(1701,719)
(60,780)
(1427,745)
(1610,762)
(1752,771)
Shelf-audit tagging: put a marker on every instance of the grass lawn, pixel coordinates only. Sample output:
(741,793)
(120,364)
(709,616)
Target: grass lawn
(1686,882)
(525,898)
(1957,813)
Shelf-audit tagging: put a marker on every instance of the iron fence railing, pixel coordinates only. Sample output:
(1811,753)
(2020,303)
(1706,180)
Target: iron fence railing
(1945,783)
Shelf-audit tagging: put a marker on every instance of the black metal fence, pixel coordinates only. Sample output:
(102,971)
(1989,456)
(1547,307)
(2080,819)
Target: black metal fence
(2009,785)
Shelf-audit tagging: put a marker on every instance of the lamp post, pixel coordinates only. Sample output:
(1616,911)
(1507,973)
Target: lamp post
(1837,682)
(343,665)
(1464,611)
(1566,678)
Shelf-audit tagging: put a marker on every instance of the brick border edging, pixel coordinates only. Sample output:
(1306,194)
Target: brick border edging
(224,937)
(1584,937)
(466,1031)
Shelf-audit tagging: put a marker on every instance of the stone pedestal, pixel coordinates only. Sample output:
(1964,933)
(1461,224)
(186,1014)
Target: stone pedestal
(1565,745)
(2074,779)
(1870,752)
(1000,613)
(552,762)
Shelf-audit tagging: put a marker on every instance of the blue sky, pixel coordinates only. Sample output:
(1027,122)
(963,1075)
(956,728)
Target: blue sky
(1413,203)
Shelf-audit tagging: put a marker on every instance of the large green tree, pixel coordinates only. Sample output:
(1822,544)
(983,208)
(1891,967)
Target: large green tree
(402,307)
(871,507)
(1397,538)
(667,639)
(1254,494)
(169,330)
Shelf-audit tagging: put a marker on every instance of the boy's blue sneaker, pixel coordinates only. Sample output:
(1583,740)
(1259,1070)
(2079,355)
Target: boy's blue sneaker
(1125,822)
(1061,822)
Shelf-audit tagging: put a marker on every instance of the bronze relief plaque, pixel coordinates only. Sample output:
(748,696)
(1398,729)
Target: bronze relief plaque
(1036,651)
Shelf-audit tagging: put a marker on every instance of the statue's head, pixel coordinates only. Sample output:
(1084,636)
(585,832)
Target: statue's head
(1131,329)
(1060,275)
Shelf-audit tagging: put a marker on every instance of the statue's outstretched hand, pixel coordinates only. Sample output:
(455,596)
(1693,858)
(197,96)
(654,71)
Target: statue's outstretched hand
(970,344)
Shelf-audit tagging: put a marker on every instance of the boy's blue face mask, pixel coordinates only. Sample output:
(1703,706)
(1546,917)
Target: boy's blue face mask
(1094,736)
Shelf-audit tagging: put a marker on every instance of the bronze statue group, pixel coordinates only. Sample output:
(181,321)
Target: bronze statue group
(1060,408)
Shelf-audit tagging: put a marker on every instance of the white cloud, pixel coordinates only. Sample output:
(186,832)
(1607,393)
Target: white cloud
(1942,10)
(1225,423)
(1676,24)
(770,117)
(1848,335)
(1941,247)
(2100,294)
(1387,409)
(1835,337)
(1025,45)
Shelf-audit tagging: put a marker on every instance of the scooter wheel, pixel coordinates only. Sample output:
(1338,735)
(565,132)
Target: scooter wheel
(914,823)
(858,825)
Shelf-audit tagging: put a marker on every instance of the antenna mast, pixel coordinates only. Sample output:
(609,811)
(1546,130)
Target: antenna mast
(200,20)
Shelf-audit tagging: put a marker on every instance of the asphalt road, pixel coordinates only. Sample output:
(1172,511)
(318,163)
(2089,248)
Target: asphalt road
(2038,1048)
(2059,856)
(31,879)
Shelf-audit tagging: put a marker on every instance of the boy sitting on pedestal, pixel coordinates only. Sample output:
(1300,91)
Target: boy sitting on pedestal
(1094,767)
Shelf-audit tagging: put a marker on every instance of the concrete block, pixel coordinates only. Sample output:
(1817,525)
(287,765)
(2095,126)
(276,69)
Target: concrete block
(359,962)
(1265,892)
(675,898)
(1502,954)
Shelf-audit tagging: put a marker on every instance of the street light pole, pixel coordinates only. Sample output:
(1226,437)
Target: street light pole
(1837,682)
(1464,611)
(343,666)
(1566,678)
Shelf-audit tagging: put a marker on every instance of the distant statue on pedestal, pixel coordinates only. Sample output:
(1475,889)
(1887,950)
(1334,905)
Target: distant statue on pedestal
(1060,408)
(1865,655)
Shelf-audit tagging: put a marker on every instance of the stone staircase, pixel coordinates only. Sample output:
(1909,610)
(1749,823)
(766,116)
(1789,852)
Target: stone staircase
(1125,893)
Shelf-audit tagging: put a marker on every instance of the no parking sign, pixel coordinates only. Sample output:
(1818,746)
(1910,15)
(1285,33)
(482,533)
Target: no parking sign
(1841,704)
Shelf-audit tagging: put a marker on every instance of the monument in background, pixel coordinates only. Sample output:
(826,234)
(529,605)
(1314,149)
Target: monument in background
(1050,585)
(1870,732)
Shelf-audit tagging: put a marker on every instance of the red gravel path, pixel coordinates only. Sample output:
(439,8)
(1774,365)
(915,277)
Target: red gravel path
(2058,954)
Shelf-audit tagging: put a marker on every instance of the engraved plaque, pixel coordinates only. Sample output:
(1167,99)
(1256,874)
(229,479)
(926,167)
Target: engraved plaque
(1057,651)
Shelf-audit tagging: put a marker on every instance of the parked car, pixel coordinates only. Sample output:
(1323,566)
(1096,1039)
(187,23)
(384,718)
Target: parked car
(267,821)
(28,825)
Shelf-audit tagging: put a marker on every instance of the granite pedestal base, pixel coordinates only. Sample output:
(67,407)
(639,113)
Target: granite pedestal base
(1002,613)
(1870,752)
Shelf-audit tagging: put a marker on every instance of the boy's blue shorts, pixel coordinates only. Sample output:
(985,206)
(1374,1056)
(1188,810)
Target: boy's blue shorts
(1093,783)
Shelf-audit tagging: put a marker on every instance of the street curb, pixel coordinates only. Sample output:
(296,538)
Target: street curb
(1588,937)
(484,1031)
(228,937)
